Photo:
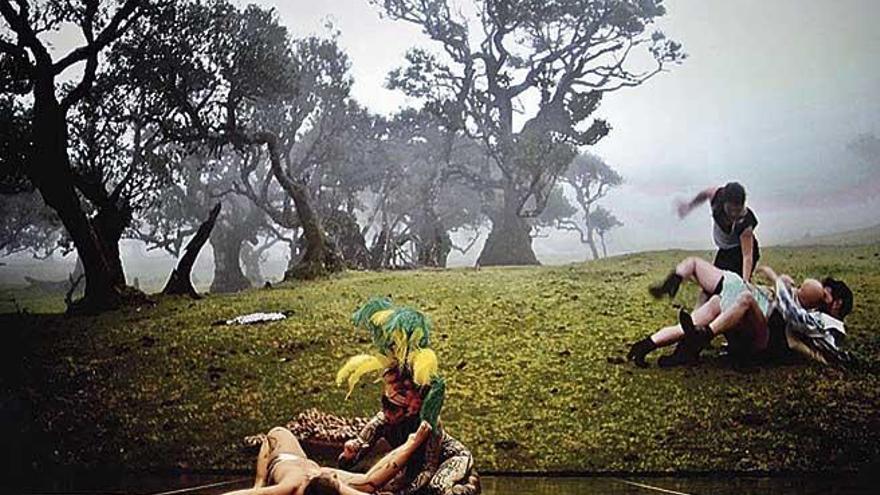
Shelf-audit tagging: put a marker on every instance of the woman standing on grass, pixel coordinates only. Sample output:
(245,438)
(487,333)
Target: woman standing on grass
(733,231)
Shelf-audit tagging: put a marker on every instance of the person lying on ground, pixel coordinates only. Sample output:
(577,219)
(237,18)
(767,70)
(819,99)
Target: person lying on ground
(283,468)
(745,313)
(816,333)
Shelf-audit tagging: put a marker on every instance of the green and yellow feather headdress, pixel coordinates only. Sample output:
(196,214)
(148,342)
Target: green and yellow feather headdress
(401,337)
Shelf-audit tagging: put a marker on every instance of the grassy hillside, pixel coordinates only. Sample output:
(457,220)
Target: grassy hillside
(857,237)
(533,359)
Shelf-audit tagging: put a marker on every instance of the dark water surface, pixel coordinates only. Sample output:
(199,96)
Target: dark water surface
(492,485)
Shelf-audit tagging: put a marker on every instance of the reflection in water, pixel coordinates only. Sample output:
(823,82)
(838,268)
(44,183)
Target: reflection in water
(495,485)
(146,484)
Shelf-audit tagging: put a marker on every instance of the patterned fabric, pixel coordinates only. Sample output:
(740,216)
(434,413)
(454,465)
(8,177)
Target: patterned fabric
(812,333)
(443,466)
(447,470)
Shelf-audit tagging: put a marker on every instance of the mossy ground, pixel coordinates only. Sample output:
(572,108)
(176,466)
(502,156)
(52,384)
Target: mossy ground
(533,359)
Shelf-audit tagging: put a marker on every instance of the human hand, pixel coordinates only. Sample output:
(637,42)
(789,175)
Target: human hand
(422,433)
(350,449)
(682,207)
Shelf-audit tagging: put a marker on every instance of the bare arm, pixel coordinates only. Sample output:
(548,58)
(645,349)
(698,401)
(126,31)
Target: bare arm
(747,242)
(686,207)
(429,469)
(366,439)
(767,272)
(387,467)
(772,276)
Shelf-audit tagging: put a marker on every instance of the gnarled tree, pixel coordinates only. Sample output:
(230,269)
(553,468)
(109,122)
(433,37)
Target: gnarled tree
(603,221)
(563,55)
(224,75)
(25,54)
(591,178)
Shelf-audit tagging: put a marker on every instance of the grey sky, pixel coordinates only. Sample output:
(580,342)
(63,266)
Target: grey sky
(772,92)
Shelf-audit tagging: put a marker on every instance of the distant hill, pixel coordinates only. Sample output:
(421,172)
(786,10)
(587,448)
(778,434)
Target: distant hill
(858,237)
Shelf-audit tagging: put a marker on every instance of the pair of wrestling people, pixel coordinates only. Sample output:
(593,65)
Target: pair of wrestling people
(425,459)
(756,321)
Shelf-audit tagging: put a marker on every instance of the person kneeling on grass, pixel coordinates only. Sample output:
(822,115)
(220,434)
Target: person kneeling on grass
(754,320)
(284,469)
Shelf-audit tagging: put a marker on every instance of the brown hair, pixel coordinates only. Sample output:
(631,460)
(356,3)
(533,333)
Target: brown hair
(322,485)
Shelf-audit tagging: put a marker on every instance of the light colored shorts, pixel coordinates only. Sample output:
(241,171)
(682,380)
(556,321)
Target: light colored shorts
(733,285)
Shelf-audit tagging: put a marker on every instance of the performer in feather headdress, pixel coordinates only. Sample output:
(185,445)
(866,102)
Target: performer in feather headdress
(401,337)
(413,390)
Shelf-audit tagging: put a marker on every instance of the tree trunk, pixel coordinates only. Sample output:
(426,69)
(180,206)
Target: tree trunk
(226,241)
(378,254)
(604,249)
(343,227)
(110,223)
(180,281)
(320,255)
(433,242)
(509,241)
(591,241)
(250,257)
(52,175)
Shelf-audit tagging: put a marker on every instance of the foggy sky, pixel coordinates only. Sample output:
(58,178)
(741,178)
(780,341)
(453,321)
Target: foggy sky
(771,94)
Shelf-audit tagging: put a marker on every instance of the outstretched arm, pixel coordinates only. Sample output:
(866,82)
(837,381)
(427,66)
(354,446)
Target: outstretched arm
(686,207)
(387,467)
(771,275)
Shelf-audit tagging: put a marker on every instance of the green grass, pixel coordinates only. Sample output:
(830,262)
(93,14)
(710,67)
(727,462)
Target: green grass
(857,237)
(532,358)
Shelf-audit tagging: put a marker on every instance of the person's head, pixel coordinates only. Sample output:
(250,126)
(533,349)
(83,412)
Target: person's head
(733,195)
(811,293)
(401,398)
(326,483)
(394,413)
(838,300)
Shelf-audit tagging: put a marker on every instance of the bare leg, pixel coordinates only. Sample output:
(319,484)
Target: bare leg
(702,297)
(283,440)
(672,334)
(701,271)
(262,463)
(702,316)
(698,270)
(277,440)
(745,315)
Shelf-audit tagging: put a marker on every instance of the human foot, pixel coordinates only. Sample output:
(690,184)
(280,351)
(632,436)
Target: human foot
(668,287)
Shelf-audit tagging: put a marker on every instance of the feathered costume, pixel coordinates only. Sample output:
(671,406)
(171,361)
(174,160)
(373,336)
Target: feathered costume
(402,337)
